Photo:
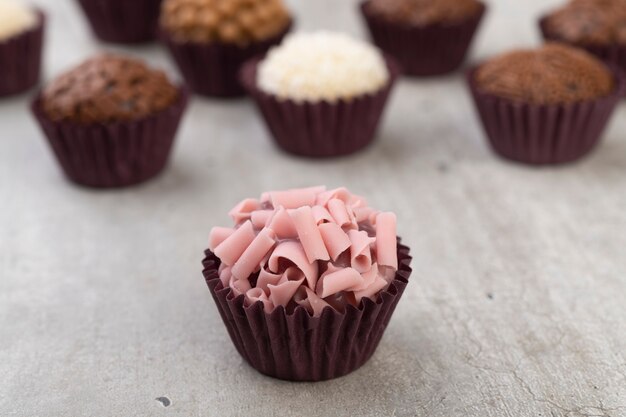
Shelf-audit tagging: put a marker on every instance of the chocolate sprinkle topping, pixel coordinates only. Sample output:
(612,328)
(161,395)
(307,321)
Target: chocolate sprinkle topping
(551,74)
(108,88)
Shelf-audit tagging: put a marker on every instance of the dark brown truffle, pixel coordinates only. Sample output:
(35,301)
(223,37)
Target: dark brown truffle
(551,74)
(425,12)
(237,22)
(108,88)
(590,22)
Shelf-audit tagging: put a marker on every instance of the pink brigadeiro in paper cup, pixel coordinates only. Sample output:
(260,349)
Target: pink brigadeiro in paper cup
(321,94)
(306,281)
(111,121)
(426,37)
(545,106)
(598,26)
(21,43)
(211,39)
(123,21)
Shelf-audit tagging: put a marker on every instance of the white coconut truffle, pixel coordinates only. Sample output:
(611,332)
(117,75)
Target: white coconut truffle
(322,66)
(15,18)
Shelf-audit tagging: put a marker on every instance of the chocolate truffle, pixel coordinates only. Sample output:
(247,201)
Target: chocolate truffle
(239,22)
(306,280)
(108,88)
(589,22)
(425,12)
(551,74)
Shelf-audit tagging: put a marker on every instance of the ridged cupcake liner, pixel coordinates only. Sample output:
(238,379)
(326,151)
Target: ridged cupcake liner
(213,69)
(296,346)
(123,21)
(429,50)
(543,134)
(614,55)
(113,154)
(320,129)
(20,59)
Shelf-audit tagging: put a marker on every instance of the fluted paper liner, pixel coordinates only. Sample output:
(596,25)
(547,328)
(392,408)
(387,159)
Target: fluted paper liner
(113,154)
(543,134)
(428,50)
(212,69)
(298,347)
(20,59)
(123,21)
(320,129)
(614,55)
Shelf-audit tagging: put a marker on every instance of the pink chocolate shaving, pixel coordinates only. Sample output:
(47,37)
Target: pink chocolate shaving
(306,247)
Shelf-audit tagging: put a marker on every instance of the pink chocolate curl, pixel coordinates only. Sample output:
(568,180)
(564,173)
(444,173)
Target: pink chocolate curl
(386,240)
(282,293)
(309,235)
(338,281)
(256,294)
(339,211)
(231,249)
(321,215)
(292,199)
(305,297)
(267,277)
(334,238)
(218,235)
(360,255)
(368,278)
(239,286)
(282,225)
(243,210)
(260,218)
(293,253)
(340,193)
(371,290)
(251,259)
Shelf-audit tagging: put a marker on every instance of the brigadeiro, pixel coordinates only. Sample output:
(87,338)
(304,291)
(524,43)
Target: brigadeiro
(544,106)
(322,94)
(306,281)
(427,37)
(598,26)
(21,40)
(123,21)
(111,121)
(211,39)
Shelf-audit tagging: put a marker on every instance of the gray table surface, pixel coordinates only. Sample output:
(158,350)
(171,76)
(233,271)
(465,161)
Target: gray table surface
(517,304)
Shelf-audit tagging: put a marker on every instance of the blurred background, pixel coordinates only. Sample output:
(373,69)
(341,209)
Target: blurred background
(516,305)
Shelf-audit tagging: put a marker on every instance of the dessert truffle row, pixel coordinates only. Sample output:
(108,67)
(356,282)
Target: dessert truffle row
(309,247)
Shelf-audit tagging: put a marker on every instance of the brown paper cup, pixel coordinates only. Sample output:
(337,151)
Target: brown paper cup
(212,69)
(320,129)
(614,55)
(291,344)
(123,21)
(20,60)
(543,134)
(113,154)
(434,49)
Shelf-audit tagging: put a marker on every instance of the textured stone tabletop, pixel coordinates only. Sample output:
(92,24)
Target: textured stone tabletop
(517,304)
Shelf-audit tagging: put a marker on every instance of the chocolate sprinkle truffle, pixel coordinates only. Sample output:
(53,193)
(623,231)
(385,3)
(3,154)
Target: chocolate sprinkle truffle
(425,12)
(551,74)
(589,22)
(239,22)
(108,88)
